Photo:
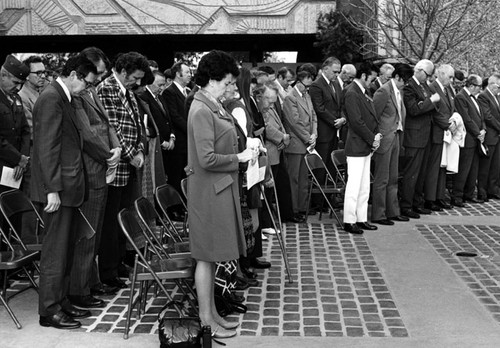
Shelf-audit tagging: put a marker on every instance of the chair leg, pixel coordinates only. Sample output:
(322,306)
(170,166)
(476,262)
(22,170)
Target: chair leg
(30,277)
(7,307)
(130,300)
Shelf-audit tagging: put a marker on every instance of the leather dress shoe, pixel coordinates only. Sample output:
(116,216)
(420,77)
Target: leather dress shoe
(233,297)
(431,205)
(241,284)
(298,218)
(60,320)
(230,325)
(494,196)
(443,204)
(352,228)
(103,290)
(366,226)
(386,222)
(220,332)
(410,214)
(256,263)
(422,211)
(482,198)
(115,282)
(399,218)
(87,301)
(457,203)
(75,312)
(474,200)
(248,274)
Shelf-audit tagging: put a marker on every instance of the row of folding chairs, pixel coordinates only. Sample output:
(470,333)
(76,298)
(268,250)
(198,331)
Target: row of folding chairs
(162,251)
(15,256)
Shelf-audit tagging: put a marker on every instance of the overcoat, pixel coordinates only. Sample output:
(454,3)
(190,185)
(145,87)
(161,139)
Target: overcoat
(214,212)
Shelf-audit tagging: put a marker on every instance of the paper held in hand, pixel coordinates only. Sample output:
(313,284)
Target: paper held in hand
(7,178)
(255,173)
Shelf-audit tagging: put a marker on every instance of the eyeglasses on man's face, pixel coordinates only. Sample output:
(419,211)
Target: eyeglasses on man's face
(39,73)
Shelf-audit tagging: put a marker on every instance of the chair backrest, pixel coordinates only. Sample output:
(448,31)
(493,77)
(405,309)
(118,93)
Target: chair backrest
(315,163)
(339,161)
(14,203)
(167,196)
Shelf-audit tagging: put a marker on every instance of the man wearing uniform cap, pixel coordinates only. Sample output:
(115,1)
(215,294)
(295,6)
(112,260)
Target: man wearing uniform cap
(14,128)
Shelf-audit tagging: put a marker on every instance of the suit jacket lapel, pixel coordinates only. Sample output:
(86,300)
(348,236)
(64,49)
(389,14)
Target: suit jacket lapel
(69,109)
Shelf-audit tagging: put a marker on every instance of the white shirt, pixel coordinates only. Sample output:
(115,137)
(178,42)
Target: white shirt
(182,89)
(300,93)
(64,87)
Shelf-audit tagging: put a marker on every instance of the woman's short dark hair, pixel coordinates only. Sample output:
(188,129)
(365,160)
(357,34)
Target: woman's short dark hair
(215,65)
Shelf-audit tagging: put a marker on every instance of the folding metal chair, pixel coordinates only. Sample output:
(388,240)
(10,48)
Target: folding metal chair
(15,259)
(339,161)
(152,265)
(314,163)
(167,196)
(14,204)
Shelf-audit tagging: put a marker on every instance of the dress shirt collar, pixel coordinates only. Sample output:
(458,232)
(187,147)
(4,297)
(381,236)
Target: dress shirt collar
(299,92)
(440,85)
(122,87)
(360,86)
(396,89)
(489,90)
(182,89)
(64,87)
(416,80)
(340,82)
(154,95)
(327,81)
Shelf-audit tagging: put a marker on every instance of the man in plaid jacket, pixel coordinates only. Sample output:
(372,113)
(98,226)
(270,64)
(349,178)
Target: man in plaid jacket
(121,106)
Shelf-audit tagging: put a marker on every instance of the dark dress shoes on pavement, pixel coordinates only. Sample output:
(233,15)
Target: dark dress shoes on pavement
(366,226)
(352,228)
(385,222)
(457,203)
(87,301)
(115,282)
(256,263)
(241,284)
(474,200)
(431,205)
(103,290)
(443,204)
(422,211)
(249,274)
(410,214)
(60,320)
(75,312)
(399,218)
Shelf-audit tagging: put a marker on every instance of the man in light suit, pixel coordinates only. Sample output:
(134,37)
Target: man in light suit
(419,104)
(435,178)
(101,149)
(175,98)
(391,113)
(362,139)
(468,107)
(115,94)
(489,167)
(58,182)
(301,123)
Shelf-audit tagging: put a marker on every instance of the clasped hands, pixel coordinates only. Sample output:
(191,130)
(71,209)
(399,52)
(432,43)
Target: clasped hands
(251,153)
(376,142)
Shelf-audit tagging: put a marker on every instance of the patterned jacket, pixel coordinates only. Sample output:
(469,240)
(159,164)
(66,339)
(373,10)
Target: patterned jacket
(125,119)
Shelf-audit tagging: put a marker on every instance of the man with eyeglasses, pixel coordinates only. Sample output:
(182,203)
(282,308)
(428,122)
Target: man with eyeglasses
(468,107)
(419,102)
(59,183)
(101,152)
(14,128)
(489,167)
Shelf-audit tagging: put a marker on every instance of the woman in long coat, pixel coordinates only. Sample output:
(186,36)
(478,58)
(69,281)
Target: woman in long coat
(215,223)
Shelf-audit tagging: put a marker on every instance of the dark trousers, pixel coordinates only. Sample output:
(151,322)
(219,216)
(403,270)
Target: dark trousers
(84,273)
(113,243)
(435,176)
(57,259)
(489,168)
(464,181)
(413,177)
(297,171)
(177,161)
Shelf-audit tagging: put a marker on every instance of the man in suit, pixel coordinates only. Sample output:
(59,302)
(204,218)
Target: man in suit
(468,107)
(384,75)
(391,113)
(161,116)
(489,167)
(115,94)
(175,97)
(14,128)
(419,103)
(435,178)
(301,124)
(346,76)
(101,150)
(58,182)
(362,139)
